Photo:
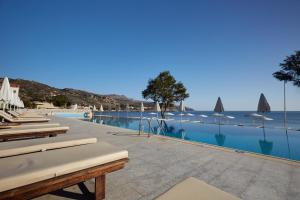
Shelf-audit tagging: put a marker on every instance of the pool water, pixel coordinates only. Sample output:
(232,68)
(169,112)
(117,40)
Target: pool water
(69,115)
(269,141)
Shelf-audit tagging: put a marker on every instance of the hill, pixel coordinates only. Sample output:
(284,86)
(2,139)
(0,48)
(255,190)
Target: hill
(31,91)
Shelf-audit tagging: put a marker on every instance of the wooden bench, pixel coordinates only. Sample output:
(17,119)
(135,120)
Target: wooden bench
(32,175)
(47,186)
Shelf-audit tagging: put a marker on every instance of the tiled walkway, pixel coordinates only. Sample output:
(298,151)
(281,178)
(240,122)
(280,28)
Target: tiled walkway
(156,164)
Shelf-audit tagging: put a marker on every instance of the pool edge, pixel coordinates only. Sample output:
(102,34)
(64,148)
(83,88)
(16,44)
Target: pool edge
(211,146)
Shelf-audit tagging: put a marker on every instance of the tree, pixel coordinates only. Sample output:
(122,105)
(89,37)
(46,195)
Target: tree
(61,101)
(290,72)
(290,69)
(165,90)
(28,104)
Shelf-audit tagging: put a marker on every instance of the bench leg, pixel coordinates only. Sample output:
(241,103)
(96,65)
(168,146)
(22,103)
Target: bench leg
(100,187)
(52,135)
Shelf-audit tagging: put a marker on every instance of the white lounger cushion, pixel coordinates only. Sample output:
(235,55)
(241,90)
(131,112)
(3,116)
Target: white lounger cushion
(30,120)
(195,189)
(29,146)
(33,125)
(25,169)
(10,118)
(32,130)
(14,113)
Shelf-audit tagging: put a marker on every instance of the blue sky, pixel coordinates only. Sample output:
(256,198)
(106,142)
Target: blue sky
(227,48)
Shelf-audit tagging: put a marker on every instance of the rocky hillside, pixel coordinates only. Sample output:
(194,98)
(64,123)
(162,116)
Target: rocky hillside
(31,91)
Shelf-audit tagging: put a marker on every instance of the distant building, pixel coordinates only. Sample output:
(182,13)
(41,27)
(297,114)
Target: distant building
(15,88)
(44,105)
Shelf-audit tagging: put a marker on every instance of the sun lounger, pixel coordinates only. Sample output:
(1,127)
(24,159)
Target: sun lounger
(5,125)
(13,113)
(8,134)
(31,175)
(195,189)
(15,148)
(184,120)
(196,121)
(34,125)
(9,118)
(24,115)
(11,126)
(6,114)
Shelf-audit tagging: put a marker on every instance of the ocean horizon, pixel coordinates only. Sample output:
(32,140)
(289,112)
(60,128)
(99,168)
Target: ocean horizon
(240,117)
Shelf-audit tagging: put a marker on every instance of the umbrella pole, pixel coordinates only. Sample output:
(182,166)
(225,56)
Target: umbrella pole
(284,102)
(264,133)
(219,126)
(288,143)
(149,125)
(181,120)
(264,130)
(180,117)
(140,126)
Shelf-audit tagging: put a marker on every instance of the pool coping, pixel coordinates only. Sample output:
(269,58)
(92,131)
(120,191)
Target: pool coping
(211,146)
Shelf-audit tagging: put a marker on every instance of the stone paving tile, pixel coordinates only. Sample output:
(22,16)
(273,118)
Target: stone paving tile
(234,180)
(124,192)
(294,184)
(157,164)
(148,184)
(156,193)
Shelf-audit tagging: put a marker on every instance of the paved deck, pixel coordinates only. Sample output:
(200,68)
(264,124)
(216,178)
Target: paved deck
(156,164)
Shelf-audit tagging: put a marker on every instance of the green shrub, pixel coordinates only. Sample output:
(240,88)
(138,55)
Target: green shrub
(60,101)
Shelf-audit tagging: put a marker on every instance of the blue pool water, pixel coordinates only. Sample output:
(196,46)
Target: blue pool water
(269,141)
(69,115)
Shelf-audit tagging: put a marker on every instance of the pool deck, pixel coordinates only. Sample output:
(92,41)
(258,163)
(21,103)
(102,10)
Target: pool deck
(156,164)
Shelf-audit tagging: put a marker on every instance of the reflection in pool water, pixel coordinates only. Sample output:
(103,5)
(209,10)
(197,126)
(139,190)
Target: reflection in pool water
(265,145)
(268,141)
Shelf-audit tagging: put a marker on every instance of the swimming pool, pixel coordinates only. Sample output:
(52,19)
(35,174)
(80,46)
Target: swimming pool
(269,141)
(69,115)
